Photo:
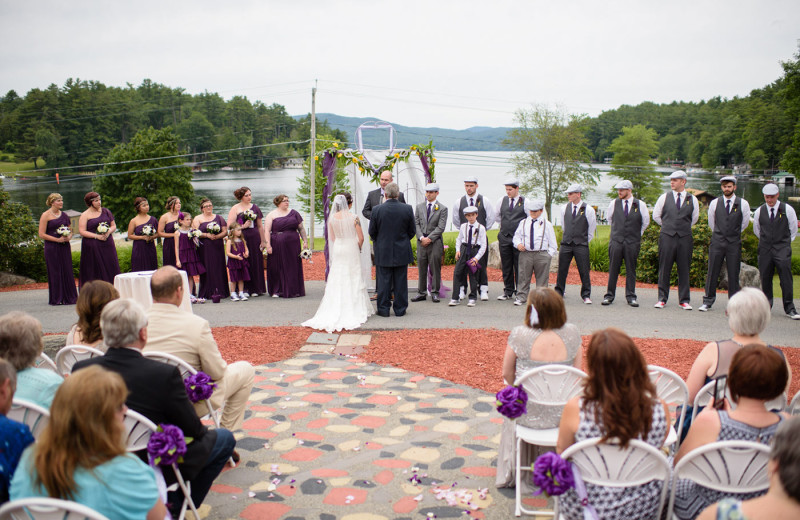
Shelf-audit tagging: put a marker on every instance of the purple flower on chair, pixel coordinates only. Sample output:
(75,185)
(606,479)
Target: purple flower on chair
(552,475)
(167,445)
(512,401)
(199,386)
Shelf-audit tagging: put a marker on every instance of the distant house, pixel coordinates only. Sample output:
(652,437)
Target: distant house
(703,196)
(74,216)
(294,162)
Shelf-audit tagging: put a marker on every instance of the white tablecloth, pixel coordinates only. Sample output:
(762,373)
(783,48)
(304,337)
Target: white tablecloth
(137,286)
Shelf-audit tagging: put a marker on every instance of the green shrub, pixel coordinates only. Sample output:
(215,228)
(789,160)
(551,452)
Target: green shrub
(29,260)
(449,241)
(598,255)
(647,267)
(795,265)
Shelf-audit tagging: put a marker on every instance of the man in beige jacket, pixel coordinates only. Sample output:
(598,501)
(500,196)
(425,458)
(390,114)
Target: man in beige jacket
(188,337)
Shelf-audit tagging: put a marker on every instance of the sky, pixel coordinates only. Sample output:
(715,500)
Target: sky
(430,63)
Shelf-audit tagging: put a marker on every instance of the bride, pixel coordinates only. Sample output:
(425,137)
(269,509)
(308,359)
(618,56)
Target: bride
(346,304)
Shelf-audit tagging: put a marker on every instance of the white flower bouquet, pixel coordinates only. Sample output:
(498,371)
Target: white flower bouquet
(64,231)
(148,230)
(194,233)
(102,228)
(249,214)
(305,254)
(213,227)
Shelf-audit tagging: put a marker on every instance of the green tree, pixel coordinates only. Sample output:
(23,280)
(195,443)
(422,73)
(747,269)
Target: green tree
(18,232)
(135,170)
(633,151)
(553,145)
(197,133)
(47,146)
(304,185)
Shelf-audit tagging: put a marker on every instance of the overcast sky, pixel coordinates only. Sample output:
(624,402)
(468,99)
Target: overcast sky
(451,64)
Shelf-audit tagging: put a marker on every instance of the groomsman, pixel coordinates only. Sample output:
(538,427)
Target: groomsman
(510,212)
(485,218)
(676,212)
(728,217)
(775,225)
(579,222)
(628,218)
(536,241)
(431,221)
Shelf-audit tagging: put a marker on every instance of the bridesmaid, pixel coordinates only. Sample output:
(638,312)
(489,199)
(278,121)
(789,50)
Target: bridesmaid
(253,232)
(212,252)
(143,256)
(98,252)
(167,227)
(284,267)
(58,253)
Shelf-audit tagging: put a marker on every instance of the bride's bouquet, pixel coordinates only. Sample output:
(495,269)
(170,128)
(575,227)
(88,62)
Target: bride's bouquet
(148,231)
(213,228)
(64,231)
(102,228)
(305,254)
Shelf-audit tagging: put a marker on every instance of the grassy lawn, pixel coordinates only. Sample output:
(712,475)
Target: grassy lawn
(11,166)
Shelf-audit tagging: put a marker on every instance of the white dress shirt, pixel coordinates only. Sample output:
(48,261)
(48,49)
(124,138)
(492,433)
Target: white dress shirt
(544,236)
(458,218)
(642,209)
(659,207)
(479,240)
(712,211)
(591,216)
(791,216)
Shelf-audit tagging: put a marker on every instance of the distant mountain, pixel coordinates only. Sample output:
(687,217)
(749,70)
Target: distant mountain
(476,138)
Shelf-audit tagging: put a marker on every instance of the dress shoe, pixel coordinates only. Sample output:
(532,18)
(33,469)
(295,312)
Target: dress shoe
(633,303)
(606,301)
(235,456)
(385,315)
(419,298)
(435,298)
(400,315)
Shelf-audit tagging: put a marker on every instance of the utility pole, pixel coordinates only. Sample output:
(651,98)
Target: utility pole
(312,162)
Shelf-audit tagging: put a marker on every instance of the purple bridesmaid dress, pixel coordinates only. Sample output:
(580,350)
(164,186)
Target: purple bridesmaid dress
(168,247)
(212,255)
(238,269)
(143,255)
(98,257)
(58,258)
(284,265)
(257,283)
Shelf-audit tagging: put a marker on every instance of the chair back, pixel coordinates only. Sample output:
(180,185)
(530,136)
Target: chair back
(44,361)
(184,368)
(41,508)
(71,354)
(673,390)
(30,414)
(727,466)
(138,430)
(552,385)
(705,394)
(609,465)
(794,407)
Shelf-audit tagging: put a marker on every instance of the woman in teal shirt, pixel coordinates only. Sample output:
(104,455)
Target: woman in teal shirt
(81,454)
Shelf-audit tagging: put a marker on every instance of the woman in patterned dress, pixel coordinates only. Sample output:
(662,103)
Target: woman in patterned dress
(619,401)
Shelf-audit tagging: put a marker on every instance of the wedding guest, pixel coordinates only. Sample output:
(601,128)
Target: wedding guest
(167,227)
(143,253)
(93,298)
(21,343)
(98,252)
(431,221)
(757,374)
(57,252)
(544,338)
(486,217)
(253,231)
(284,232)
(14,436)
(619,402)
(212,251)
(783,497)
(81,453)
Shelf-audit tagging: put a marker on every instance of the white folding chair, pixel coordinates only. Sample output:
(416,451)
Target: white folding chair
(44,361)
(673,390)
(549,385)
(30,414)
(71,354)
(47,509)
(138,429)
(705,394)
(607,464)
(794,407)
(733,467)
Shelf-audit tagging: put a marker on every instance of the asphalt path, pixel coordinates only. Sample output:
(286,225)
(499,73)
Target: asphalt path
(645,321)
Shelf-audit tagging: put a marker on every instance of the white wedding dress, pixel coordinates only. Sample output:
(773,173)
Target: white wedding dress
(345,304)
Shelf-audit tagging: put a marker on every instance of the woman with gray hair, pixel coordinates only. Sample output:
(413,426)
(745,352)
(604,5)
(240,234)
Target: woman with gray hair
(20,344)
(748,315)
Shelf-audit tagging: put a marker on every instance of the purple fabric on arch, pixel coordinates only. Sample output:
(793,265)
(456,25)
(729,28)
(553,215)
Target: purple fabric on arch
(425,167)
(329,173)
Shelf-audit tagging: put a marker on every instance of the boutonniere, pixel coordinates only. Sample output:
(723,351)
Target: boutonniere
(581,212)
(734,209)
(636,208)
(478,203)
(435,207)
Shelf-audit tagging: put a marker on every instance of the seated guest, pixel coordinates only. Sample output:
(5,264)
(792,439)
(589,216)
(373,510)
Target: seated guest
(181,333)
(81,454)
(757,374)
(14,436)
(544,338)
(157,392)
(783,497)
(748,315)
(93,297)
(619,402)
(20,344)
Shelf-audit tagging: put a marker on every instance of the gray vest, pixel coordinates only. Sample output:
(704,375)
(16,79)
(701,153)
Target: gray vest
(728,227)
(509,220)
(774,235)
(481,209)
(676,222)
(576,229)
(627,230)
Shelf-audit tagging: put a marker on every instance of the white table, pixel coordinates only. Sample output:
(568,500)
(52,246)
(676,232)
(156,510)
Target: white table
(137,286)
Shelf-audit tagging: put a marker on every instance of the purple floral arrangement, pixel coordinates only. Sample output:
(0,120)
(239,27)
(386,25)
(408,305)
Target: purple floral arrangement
(199,386)
(552,475)
(512,401)
(167,445)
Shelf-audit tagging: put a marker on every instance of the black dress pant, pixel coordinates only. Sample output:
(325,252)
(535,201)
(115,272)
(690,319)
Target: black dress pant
(731,253)
(509,261)
(781,261)
(617,252)
(674,250)
(580,253)
(392,280)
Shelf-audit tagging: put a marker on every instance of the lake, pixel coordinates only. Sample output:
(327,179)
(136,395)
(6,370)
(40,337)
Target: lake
(491,169)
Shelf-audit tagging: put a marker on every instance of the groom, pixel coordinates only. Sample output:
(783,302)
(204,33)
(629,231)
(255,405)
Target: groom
(391,229)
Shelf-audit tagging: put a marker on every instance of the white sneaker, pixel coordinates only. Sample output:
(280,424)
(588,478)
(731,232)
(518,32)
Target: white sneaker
(243,296)
(685,306)
(519,302)
(453,303)
(704,308)
(234,297)
(484,295)
(503,297)
(471,303)
(254,295)
(587,301)
(660,305)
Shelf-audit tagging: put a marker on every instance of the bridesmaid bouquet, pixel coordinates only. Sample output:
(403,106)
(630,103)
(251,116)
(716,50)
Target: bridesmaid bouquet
(249,214)
(213,227)
(102,228)
(148,231)
(64,231)
(167,445)
(194,233)
(305,254)
(512,401)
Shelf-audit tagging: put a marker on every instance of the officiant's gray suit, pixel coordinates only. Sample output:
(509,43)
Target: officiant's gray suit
(431,255)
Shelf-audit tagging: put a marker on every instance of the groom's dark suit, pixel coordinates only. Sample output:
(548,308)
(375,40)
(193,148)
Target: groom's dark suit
(391,229)
(374,200)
